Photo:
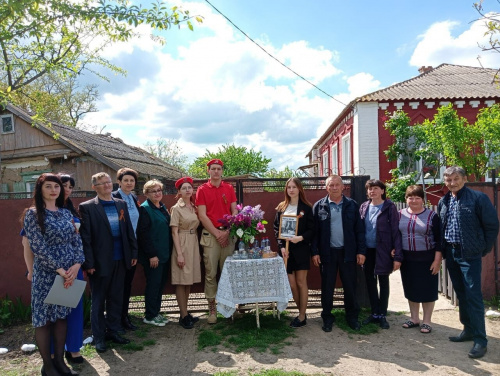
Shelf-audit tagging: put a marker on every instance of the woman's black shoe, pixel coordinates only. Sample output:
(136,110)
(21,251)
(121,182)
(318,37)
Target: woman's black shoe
(193,318)
(186,322)
(296,323)
(74,360)
(69,373)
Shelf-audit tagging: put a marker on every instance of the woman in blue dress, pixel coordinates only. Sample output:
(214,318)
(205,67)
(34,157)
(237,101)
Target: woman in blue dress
(74,336)
(57,248)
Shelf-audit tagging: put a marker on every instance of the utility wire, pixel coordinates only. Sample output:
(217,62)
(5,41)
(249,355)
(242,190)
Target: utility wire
(263,49)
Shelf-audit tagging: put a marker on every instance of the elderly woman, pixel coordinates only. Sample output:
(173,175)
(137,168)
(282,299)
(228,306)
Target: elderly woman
(127,178)
(383,248)
(154,240)
(421,234)
(57,250)
(186,255)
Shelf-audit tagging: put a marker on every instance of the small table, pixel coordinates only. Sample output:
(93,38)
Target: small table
(252,281)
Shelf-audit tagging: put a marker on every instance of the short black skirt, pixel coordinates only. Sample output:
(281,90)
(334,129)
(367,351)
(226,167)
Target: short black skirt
(298,259)
(419,285)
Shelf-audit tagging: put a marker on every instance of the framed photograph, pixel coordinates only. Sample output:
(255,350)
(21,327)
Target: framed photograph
(288,226)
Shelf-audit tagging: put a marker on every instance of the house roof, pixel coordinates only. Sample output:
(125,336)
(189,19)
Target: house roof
(109,150)
(445,81)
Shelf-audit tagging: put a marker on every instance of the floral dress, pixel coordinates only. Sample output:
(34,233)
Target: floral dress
(59,247)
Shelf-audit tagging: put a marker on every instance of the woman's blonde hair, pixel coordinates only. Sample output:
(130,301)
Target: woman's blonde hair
(150,184)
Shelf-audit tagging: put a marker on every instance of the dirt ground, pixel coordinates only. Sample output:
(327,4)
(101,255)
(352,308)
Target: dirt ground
(396,351)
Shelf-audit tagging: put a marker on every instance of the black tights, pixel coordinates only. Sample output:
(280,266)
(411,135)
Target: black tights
(42,336)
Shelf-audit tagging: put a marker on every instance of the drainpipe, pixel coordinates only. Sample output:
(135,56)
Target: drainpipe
(495,247)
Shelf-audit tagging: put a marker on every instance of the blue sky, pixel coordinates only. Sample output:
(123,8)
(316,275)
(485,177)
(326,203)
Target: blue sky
(213,86)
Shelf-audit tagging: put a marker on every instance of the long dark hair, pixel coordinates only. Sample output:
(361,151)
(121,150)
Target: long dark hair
(302,195)
(68,204)
(38,201)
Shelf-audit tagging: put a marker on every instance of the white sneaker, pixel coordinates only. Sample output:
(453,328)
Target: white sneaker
(154,321)
(162,318)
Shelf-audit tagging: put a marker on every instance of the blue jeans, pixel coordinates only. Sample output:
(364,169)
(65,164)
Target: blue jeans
(465,275)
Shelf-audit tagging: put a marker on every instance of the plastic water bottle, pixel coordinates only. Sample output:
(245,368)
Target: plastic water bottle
(265,242)
(241,250)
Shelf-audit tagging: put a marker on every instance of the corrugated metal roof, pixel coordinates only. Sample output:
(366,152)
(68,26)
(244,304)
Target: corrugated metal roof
(446,81)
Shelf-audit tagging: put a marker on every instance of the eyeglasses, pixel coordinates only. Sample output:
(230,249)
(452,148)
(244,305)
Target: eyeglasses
(155,192)
(103,183)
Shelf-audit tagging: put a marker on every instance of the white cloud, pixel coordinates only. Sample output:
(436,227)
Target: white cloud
(438,45)
(220,88)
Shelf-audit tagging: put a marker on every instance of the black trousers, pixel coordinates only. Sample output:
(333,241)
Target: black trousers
(107,295)
(348,277)
(127,289)
(378,302)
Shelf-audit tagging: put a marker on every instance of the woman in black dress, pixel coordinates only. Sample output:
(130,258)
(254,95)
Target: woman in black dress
(299,250)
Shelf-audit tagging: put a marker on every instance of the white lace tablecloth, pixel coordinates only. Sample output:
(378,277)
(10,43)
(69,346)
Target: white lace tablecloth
(252,281)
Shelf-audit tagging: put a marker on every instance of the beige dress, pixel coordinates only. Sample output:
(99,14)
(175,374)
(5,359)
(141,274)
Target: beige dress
(187,223)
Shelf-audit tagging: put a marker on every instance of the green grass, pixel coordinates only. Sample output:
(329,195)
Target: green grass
(493,303)
(149,342)
(341,323)
(243,334)
(89,351)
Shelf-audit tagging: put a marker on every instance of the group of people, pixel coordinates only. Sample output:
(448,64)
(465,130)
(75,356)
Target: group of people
(105,238)
(338,234)
(110,233)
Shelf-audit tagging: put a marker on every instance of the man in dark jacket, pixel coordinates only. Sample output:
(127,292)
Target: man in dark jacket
(110,248)
(338,244)
(469,229)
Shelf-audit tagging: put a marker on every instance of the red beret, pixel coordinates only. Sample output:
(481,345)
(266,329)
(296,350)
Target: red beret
(185,179)
(214,161)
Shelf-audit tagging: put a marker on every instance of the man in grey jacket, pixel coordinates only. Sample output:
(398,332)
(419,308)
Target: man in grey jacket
(469,229)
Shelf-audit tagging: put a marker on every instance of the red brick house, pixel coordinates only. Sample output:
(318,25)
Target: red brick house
(356,140)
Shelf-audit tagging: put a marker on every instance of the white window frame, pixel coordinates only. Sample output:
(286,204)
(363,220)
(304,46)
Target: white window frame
(324,162)
(418,167)
(346,155)
(12,122)
(335,159)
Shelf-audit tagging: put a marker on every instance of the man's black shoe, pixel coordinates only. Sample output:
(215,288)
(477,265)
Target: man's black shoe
(371,319)
(477,351)
(100,346)
(327,325)
(127,324)
(462,337)
(355,325)
(383,323)
(116,338)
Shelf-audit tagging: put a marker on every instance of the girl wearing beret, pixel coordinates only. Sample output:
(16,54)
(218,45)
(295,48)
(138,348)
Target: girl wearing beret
(186,255)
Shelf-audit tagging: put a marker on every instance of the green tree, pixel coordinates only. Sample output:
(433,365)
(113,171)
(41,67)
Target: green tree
(169,151)
(446,140)
(287,172)
(38,37)
(238,160)
(62,99)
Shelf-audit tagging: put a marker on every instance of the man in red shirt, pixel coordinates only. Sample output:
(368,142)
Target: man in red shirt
(214,199)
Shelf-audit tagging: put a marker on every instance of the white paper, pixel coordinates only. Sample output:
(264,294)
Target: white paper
(69,297)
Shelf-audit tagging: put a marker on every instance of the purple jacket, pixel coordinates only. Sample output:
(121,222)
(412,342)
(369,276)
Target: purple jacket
(388,236)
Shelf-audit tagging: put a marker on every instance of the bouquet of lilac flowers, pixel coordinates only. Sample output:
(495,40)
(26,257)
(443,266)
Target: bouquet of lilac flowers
(248,223)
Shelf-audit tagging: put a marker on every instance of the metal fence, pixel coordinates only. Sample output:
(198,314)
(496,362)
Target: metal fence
(444,284)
